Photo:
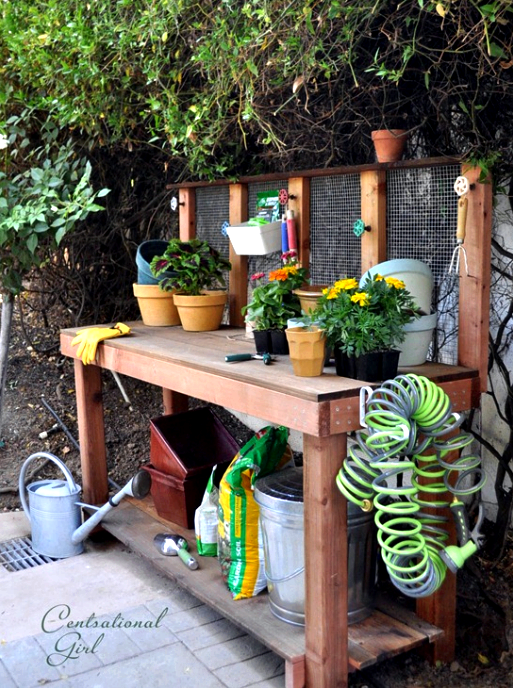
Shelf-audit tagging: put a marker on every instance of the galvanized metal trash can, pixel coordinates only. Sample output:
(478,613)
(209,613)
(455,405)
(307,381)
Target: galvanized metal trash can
(280,498)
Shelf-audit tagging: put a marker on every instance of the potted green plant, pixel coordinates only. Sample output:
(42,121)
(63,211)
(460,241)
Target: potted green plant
(365,323)
(194,271)
(273,303)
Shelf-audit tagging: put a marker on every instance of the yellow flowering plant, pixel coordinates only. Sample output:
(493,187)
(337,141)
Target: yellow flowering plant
(273,303)
(361,319)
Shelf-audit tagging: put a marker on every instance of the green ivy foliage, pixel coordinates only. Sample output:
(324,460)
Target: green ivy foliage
(223,85)
(45,190)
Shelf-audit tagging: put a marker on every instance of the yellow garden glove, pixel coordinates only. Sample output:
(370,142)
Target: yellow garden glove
(89,339)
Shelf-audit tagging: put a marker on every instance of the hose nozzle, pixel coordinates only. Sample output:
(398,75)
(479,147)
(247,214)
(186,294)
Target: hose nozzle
(455,557)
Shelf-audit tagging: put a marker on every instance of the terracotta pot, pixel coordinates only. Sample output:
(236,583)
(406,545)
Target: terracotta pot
(157,307)
(309,296)
(201,313)
(389,144)
(307,348)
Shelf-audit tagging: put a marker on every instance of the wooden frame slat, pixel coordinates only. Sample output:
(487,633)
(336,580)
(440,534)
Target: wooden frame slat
(239,273)
(474,314)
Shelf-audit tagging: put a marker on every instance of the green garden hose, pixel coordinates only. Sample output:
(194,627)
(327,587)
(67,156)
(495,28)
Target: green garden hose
(410,430)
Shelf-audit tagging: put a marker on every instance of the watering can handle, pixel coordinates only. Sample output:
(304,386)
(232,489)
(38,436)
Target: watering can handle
(50,457)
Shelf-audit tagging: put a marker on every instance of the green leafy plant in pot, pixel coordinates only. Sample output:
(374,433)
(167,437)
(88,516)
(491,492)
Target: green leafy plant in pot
(197,276)
(273,303)
(365,324)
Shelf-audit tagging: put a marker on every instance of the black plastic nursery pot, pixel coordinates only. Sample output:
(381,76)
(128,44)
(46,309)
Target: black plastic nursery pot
(279,342)
(262,341)
(375,366)
(271,342)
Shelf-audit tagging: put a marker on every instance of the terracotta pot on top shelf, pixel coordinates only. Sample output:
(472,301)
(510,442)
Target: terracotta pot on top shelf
(157,307)
(389,144)
(309,296)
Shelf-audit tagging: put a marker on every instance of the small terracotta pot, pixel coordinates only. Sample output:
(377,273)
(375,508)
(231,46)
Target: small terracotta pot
(157,307)
(389,144)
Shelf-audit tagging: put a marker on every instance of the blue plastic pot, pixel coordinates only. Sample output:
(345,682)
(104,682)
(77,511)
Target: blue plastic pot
(145,254)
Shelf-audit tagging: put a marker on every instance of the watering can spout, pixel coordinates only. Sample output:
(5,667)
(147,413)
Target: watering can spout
(137,487)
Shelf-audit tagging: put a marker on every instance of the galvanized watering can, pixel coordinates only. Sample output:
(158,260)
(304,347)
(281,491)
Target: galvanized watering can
(54,509)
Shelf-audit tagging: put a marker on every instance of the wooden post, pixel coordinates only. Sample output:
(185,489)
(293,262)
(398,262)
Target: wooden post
(474,314)
(326,660)
(91,433)
(373,185)
(187,213)
(439,609)
(238,292)
(299,202)
(174,402)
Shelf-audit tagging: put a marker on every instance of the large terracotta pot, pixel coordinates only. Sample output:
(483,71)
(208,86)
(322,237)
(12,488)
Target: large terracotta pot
(389,144)
(307,347)
(157,307)
(201,313)
(309,296)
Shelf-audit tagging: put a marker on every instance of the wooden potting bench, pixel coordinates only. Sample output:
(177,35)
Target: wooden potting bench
(325,409)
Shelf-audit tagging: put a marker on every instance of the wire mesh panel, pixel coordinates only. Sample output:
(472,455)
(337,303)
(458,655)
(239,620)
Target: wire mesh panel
(335,251)
(212,211)
(421,225)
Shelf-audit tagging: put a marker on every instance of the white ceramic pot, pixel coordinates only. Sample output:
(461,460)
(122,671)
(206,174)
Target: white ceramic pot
(419,334)
(415,274)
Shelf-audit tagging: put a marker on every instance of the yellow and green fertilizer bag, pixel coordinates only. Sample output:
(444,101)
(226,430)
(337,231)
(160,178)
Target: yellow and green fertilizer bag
(240,549)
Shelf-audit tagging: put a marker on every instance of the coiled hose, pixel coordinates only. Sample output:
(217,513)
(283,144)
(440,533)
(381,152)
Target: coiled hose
(410,429)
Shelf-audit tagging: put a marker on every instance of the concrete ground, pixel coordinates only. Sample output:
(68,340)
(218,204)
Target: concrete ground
(106,618)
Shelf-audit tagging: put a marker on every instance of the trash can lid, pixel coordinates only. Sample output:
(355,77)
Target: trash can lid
(281,489)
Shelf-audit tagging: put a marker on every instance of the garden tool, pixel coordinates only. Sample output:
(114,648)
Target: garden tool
(455,557)
(461,187)
(89,339)
(171,545)
(235,358)
(53,509)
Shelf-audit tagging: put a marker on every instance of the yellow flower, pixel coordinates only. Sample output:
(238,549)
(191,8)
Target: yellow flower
(361,298)
(393,282)
(331,293)
(379,278)
(346,284)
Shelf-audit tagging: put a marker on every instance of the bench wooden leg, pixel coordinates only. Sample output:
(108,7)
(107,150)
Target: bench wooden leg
(174,402)
(295,674)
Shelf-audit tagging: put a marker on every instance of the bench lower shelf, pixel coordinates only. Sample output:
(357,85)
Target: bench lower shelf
(389,631)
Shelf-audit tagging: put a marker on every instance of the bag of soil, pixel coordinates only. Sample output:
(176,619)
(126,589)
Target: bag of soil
(240,547)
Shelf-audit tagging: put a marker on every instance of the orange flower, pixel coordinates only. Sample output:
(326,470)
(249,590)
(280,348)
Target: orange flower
(281,275)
